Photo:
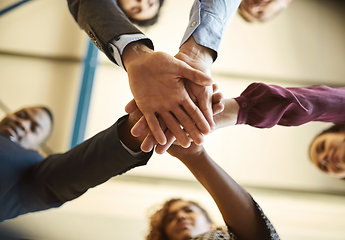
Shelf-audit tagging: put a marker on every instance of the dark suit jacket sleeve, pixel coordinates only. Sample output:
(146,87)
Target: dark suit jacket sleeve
(264,106)
(102,20)
(63,177)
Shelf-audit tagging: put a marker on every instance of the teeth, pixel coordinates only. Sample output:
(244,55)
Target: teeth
(12,138)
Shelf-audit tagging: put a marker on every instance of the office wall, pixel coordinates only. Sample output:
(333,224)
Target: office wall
(41,53)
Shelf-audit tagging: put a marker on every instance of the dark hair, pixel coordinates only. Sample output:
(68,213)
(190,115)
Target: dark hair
(239,11)
(158,219)
(147,22)
(336,128)
(49,113)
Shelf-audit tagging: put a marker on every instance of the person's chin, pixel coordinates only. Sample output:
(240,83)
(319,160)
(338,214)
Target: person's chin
(340,174)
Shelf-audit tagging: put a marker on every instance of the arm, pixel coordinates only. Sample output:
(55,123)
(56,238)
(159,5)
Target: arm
(156,81)
(200,43)
(63,177)
(208,20)
(104,22)
(264,106)
(235,204)
(149,141)
(153,77)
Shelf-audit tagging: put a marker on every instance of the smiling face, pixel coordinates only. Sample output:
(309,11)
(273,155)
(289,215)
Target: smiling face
(28,127)
(140,9)
(185,221)
(261,10)
(327,153)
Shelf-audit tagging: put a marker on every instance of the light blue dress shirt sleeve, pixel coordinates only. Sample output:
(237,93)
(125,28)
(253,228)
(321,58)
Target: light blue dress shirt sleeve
(207,21)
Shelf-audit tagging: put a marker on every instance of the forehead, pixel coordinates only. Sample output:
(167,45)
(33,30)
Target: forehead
(179,205)
(38,114)
(35,112)
(313,146)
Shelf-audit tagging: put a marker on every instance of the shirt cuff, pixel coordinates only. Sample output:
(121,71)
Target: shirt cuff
(117,45)
(194,21)
(207,22)
(130,151)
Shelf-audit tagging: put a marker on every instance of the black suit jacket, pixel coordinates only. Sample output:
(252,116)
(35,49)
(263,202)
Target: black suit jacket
(30,183)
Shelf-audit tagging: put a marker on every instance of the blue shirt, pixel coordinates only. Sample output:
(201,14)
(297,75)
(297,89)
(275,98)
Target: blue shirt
(207,21)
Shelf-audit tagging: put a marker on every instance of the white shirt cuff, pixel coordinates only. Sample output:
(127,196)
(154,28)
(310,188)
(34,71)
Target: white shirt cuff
(118,45)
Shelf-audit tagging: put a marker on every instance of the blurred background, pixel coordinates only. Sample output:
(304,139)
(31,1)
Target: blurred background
(42,54)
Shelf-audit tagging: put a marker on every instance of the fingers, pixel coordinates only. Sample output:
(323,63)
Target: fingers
(148,144)
(215,87)
(188,127)
(217,97)
(217,108)
(194,75)
(174,126)
(205,105)
(131,106)
(160,149)
(156,130)
(139,127)
(196,115)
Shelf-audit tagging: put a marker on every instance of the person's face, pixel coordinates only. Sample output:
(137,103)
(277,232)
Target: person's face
(327,153)
(261,10)
(185,221)
(140,9)
(28,127)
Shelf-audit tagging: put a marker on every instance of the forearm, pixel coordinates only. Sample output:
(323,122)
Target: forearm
(264,106)
(229,115)
(135,52)
(66,176)
(208,19)
(235,204)
(103,21)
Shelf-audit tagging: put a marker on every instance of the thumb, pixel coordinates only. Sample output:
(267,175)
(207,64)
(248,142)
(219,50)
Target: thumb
(131,106)
(194,75)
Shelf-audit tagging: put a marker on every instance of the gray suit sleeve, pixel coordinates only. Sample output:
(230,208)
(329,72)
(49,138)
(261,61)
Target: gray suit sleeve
(102,20)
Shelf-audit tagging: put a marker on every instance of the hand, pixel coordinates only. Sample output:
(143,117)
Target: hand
(186,154)
(217,107)
(124,131)
(150,142)
(156,82)
(229,115)
(201,58)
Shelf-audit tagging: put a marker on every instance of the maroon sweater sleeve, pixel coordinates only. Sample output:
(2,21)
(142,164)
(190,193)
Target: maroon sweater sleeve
(264,106)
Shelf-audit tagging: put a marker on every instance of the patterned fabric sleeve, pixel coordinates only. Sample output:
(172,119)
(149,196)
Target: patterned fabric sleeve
(274,235)
(221,235)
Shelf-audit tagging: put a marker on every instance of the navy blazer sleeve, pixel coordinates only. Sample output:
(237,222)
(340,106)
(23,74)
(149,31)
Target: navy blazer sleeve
(63,177)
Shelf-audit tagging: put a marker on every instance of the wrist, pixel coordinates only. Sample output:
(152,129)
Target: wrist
(229,115)
(133,52)
(197,52)
(196,155)
(124,130)
(195,160)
